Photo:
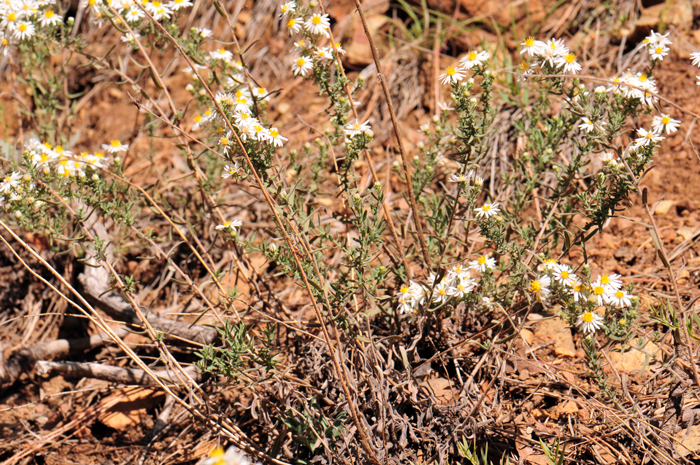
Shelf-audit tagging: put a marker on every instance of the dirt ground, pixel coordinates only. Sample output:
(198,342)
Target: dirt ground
(52,420)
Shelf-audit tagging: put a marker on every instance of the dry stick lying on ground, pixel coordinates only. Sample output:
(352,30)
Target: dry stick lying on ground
(110,373)
(96,288)
(23,361)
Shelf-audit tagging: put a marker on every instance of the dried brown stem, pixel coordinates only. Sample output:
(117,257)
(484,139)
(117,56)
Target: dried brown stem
(399,140)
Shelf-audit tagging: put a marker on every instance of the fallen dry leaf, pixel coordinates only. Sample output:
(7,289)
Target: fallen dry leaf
(125,408)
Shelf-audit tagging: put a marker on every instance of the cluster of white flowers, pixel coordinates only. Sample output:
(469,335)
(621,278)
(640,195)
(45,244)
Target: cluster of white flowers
(635,85)
(68,164)
(132,14)
(240,103)
(456,284)
(605,290)
(45,158)
(657,45)
(467,62)
(471,176)
(553,53)
(313,27)
(20,20)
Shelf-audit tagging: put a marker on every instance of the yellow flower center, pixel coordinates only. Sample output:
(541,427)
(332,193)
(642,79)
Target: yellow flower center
(587,317)
(11,17)
(530,41)
(598,290)
(316,20)
(605,279)
(643,78)
(291,22)
(301,62)
(274,133)
(564,274)
(224,141)
(482,260)
(665,120)
(535,287)
(659,49)
(404,289)
(450,71)
(49,13)
(524,65)
(570,58)
(115,143)
(472,56)
(486,208)
(22,27)
(619,294)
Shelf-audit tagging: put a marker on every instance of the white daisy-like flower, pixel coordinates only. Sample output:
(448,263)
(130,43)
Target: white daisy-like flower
(318,24)
(229,226)
(221,54)
(294,25)
(339,49)
(49,18)
(487,210)
(569,63)
(553,49)
(532,47)
(458,177)
(287,9)
(130,37)
(204,33)
(664,123)
(442,292)
(588,125)
(611,281)
(24,30)
(115,146)
(462,287)
(302,66)
(10,181)
(176,5)
(261,93)
(459,272)
(539,287)
(451,75)
(276,138)
(619,298)
(589,322)
(646,137)
(695,56)
(658,52)
(564,275)
(232,456)
(598,291)
(578,290)
(355,128)
(230,170)
(483,263)
(548,264)
(473,59)
(608,158)
(487,301)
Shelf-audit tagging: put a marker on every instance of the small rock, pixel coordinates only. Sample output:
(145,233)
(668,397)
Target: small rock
(557,330)
(686,233)
(528,335)
(633,359)
(663,207)
(690,441)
